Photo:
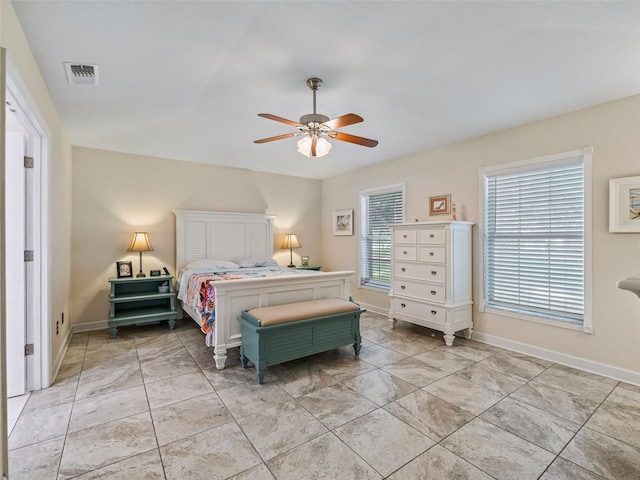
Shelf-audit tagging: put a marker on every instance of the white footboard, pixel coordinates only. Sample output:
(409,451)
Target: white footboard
(233,296)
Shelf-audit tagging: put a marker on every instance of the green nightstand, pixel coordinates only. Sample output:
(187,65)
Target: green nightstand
(136,301)
(308,267)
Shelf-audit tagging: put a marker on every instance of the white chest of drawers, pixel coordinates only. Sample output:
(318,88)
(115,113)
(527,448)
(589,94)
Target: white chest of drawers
(431,276)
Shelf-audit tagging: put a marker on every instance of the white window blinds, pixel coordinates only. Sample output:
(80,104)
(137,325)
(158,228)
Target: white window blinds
(534,245)
(378,208)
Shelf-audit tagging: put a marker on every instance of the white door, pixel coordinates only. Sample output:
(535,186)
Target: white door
(29,194)
(15,266)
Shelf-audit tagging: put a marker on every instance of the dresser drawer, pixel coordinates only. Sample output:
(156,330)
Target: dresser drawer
(431,236)
(420,310)
(432,293)
(435,314)
(431,273)
(404,252)
(404,236)
(431,254)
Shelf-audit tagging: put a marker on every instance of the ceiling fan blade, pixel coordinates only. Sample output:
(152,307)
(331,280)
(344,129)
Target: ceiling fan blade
(343,121)
(345,137)
(278,137)
(279,119)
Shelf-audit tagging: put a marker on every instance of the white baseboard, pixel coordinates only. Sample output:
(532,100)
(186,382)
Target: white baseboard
(57,362)
(374,309)
(598,368)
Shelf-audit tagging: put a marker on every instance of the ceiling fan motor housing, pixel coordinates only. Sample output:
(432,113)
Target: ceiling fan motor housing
(313,118)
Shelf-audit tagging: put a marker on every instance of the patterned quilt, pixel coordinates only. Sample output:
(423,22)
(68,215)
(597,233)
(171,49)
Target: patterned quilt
(200,295)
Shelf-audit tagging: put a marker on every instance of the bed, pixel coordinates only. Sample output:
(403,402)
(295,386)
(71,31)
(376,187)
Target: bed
(229,236)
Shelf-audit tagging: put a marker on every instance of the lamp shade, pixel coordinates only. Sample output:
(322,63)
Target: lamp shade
(322,146)
(140,243)
(290,241)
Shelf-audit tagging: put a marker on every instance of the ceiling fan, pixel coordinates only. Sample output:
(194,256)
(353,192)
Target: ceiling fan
(315,127)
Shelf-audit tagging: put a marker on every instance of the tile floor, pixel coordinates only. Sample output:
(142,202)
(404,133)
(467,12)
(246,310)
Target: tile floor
(150,404)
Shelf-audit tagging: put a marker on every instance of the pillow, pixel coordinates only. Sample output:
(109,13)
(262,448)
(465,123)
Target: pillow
(268,262)
(209,263)
(258,262)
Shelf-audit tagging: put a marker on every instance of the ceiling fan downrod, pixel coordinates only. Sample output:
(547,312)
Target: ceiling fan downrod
(310,119)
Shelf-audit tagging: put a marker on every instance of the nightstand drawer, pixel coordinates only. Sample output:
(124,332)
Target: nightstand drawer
(434,293)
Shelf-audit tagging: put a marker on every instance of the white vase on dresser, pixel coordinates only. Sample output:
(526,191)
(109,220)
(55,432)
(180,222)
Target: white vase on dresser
(431,276)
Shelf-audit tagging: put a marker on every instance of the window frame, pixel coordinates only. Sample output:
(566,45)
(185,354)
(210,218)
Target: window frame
(396,187)
(526,165)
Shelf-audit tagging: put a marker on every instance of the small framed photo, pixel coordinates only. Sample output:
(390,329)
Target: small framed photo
(624,205)
(155,273)
(124,269)
(440,205)
(343,222)
(305,261)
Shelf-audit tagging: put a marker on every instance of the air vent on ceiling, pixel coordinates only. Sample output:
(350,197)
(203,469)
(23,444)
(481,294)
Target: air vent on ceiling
(82,74)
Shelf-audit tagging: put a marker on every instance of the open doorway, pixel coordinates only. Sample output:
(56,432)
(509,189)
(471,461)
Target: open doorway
(26,251)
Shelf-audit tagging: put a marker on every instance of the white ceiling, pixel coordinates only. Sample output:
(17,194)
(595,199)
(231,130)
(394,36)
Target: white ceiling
(186,80)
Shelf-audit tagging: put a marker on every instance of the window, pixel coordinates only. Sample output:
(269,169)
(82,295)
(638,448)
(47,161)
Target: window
(378,208)
(535,241)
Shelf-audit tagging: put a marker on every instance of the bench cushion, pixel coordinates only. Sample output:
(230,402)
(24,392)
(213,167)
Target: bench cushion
(292,312)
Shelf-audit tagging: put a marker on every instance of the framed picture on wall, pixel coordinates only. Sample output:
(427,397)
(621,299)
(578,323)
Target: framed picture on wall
(343,222)
(124,269)
(440,205)
(624,205)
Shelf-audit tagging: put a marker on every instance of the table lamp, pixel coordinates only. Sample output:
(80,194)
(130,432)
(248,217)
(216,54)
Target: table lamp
(140,243)
(291,241)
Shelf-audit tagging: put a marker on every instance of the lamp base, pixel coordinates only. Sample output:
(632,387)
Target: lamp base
(291,266)
(140,275)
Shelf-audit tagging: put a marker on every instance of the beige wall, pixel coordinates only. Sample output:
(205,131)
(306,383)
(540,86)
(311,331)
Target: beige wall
(23,70)
(115,194)
(613,129)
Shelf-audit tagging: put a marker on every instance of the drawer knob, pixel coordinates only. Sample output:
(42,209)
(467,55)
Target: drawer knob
(433,292)
(433,272)
(403,287)
(403,269)
(431,236)
(404,253)
(404,236)
(433,312)
(402,305)
(431,254)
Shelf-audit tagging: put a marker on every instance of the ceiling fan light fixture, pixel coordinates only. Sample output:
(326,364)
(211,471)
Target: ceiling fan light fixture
(315,126)
(322,146)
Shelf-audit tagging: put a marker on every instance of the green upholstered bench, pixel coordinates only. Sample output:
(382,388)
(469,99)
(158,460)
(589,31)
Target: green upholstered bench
(277,334)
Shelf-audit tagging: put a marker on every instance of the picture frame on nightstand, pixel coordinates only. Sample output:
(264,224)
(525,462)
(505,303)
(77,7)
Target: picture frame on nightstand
(304,260)
(124,269)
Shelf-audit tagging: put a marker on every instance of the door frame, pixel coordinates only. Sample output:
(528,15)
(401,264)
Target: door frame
(4,451)
(39,329)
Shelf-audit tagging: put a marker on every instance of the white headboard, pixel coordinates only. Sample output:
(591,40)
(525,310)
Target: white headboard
(222,236)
